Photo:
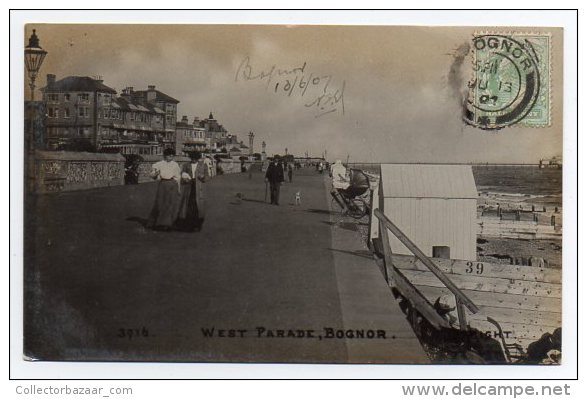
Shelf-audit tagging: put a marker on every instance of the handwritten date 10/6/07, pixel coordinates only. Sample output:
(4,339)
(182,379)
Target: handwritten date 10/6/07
(133,333)
(326,102)
(321,94)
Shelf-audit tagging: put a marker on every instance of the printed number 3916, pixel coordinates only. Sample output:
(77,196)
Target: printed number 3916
(131,333)
(477,268)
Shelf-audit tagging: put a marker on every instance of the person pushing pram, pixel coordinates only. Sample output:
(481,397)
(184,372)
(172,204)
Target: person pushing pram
(346,185)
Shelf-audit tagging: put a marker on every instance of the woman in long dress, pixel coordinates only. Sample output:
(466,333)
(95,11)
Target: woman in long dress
(164,209)
(191,205)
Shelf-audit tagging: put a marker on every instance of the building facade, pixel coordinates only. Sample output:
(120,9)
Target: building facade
(133,129)
(161,101)
(75,112)
(216,134)
(189,137)
(83,114)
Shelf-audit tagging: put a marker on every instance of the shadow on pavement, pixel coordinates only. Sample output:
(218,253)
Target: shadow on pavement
(254,200)
(323,211)
(360,253)
(142,221)
(343,225)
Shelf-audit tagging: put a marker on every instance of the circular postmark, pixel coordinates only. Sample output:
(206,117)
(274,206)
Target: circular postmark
(505,84)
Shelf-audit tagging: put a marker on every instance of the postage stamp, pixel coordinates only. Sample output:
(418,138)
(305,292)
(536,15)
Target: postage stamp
(511,81)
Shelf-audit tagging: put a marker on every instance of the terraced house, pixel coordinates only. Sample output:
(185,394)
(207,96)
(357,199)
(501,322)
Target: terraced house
(216,134)
(165,108)
(83,114)
(189,137)
(75,112)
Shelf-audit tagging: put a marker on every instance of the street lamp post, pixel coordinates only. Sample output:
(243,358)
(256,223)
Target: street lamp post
(33,58)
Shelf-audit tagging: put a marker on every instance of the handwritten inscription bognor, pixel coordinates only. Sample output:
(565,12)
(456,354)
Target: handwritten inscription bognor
(321,92)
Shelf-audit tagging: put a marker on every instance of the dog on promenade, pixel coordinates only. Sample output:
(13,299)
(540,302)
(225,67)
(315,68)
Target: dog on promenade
(298,198)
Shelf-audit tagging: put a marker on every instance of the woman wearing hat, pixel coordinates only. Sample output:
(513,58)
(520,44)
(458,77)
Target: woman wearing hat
(191,205)
(164,210)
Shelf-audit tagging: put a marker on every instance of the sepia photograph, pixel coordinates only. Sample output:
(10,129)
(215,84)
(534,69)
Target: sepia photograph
(306,194)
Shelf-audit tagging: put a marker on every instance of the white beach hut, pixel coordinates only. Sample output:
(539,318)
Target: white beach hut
(434,205)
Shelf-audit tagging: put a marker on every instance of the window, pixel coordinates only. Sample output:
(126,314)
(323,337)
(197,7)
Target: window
(107,99)
(83,97)
(53,112)
(66,113)
(83,131)
(441,252)
(53,97)
(84,112)
(132,116)
(67,97)
(170,110)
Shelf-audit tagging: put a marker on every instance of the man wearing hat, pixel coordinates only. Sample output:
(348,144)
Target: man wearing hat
(191,203)
(164,210)
(274,176)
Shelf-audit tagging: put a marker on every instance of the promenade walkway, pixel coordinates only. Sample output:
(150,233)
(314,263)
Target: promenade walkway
(99,286)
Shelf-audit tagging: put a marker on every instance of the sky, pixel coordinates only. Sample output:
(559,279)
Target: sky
(369,93)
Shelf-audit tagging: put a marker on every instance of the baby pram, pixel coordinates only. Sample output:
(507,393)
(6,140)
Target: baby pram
(352,199)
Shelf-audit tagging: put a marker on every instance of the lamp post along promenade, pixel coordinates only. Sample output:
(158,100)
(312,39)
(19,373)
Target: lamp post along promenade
(33,59)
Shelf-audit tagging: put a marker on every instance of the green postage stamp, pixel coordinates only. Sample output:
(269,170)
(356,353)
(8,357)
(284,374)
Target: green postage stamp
(511,81)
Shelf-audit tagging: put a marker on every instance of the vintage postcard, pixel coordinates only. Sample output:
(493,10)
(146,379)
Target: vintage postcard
(293,194)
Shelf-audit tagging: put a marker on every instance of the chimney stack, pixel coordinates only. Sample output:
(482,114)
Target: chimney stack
(126,93)
(50,79)
(151,93)
(184,119)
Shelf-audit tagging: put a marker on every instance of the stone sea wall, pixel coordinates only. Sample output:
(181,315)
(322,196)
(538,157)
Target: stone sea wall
(58,171)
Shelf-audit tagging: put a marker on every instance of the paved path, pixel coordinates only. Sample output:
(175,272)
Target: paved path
(100,286)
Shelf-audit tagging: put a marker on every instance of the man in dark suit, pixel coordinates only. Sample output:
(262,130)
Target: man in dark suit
(274,176)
